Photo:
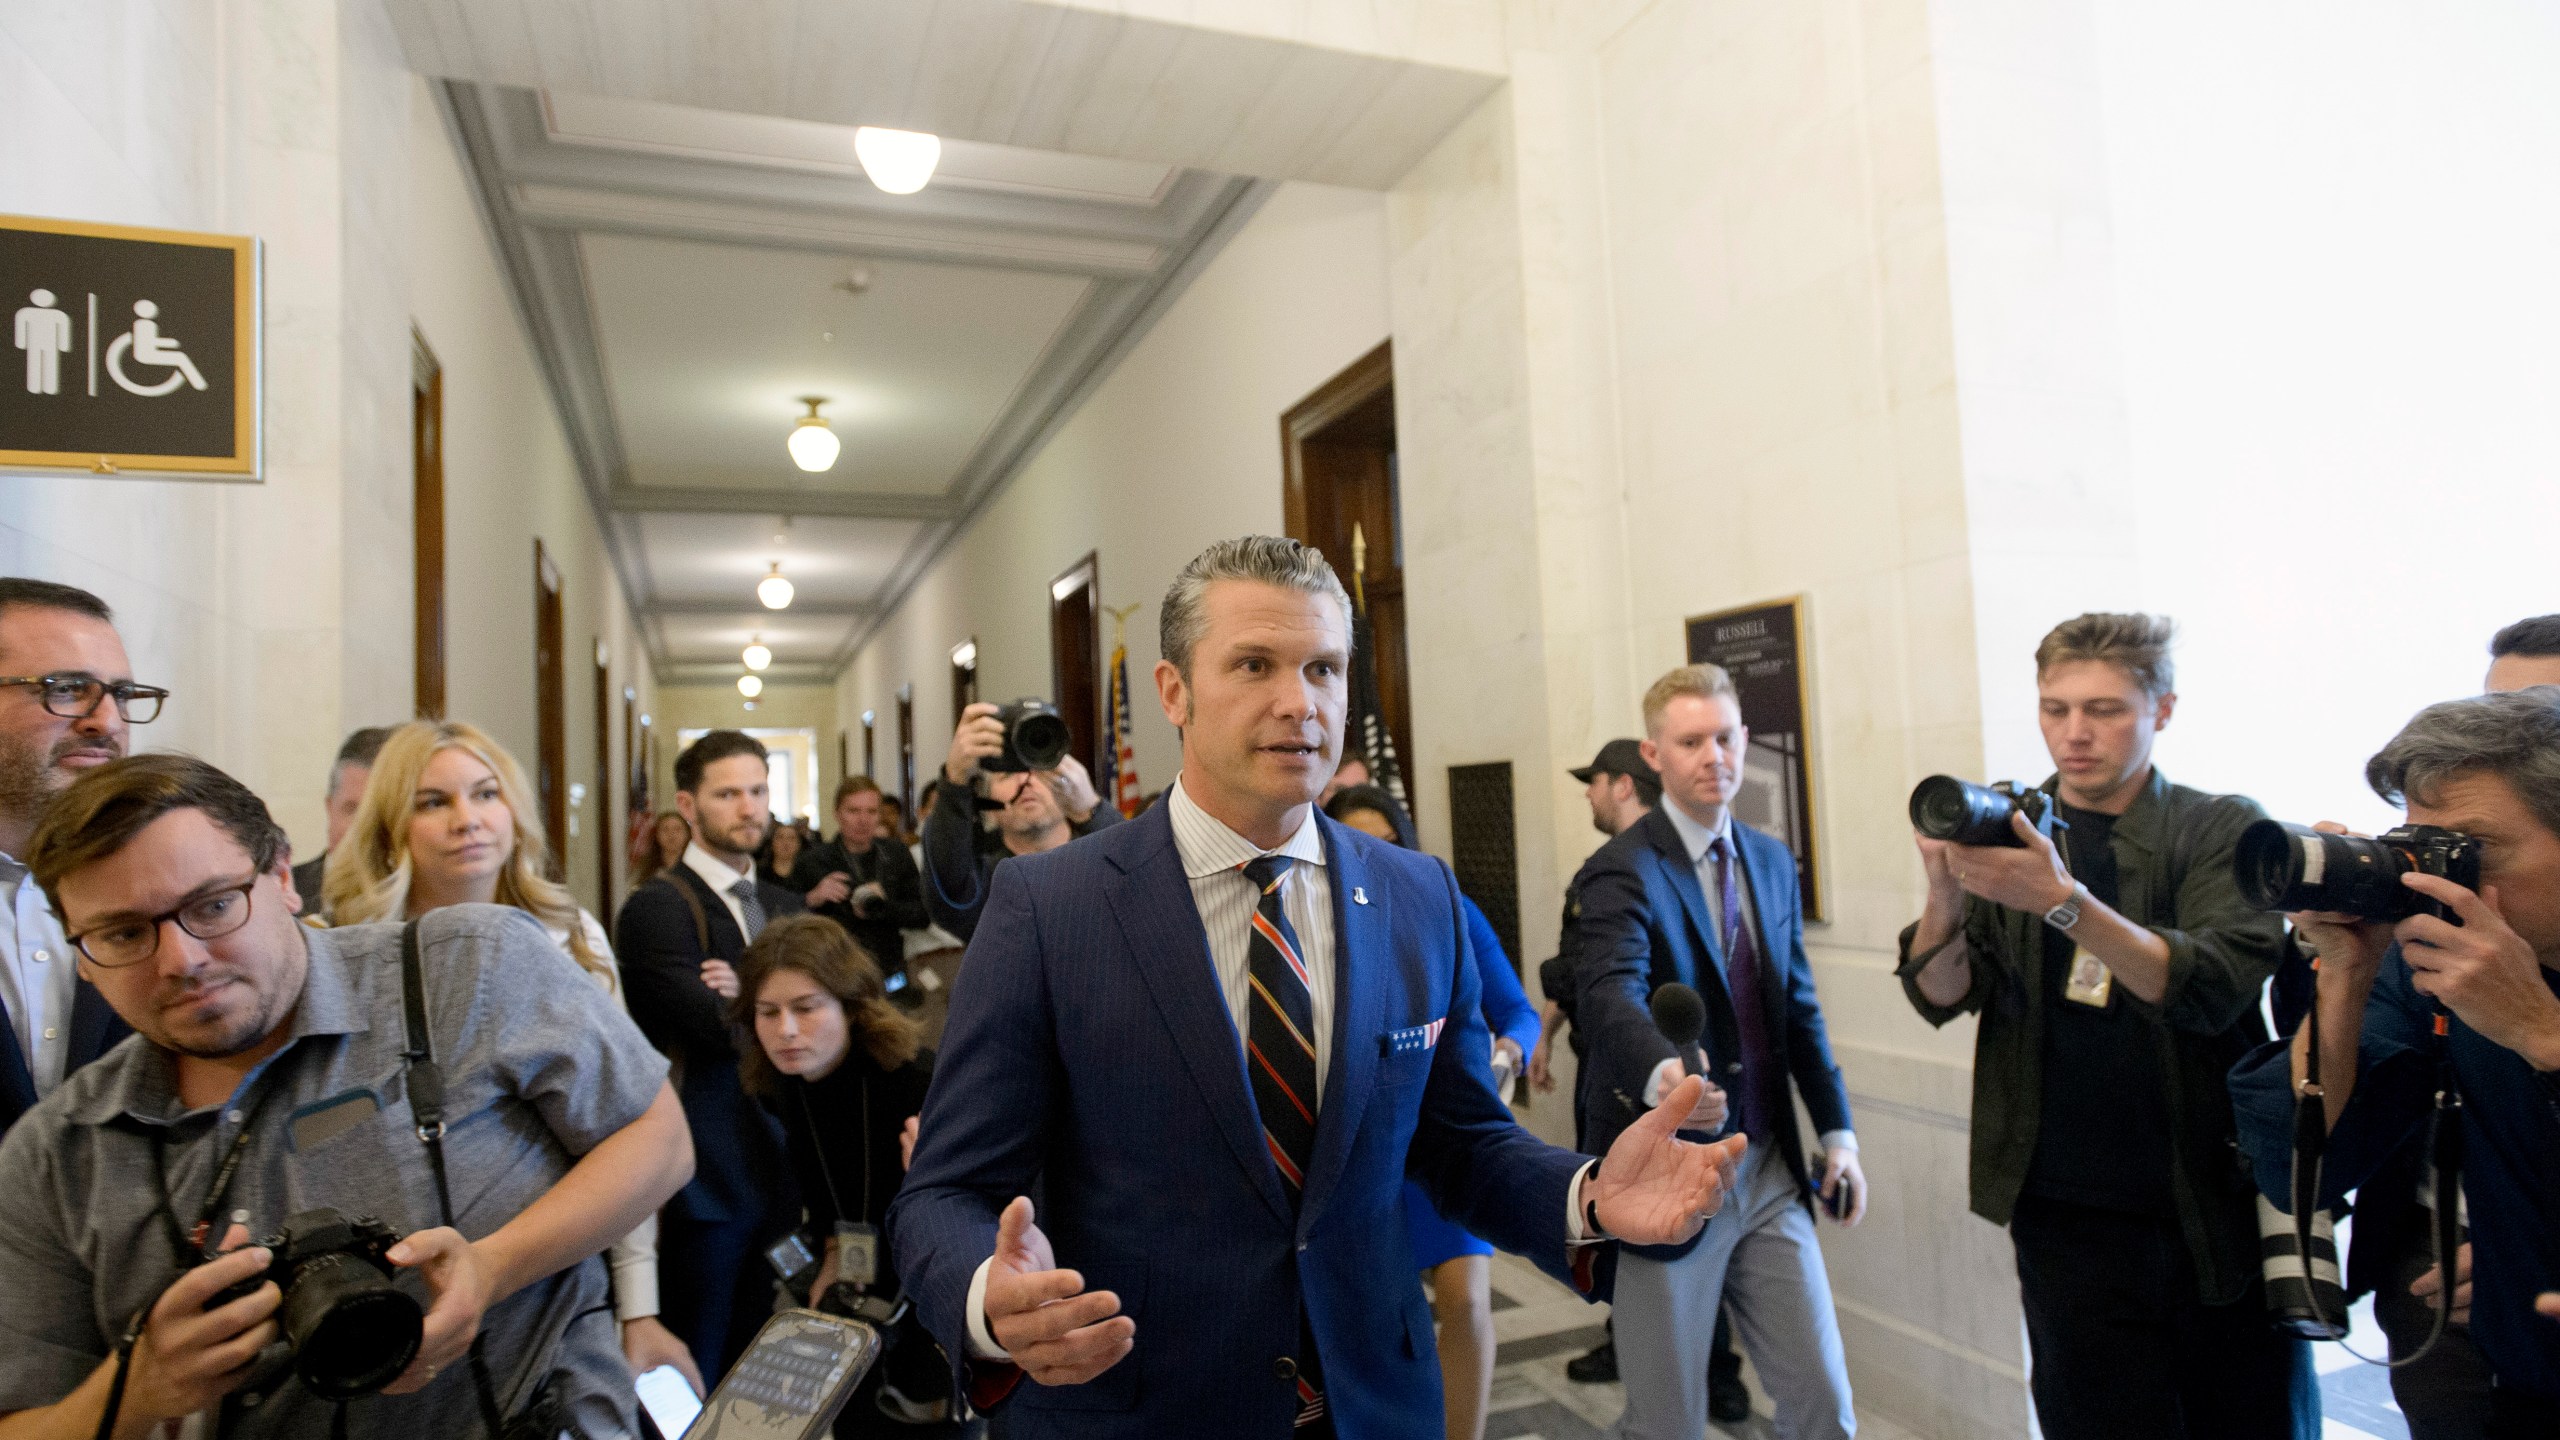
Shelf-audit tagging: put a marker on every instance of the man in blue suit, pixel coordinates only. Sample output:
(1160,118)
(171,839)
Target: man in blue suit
(1219,1037)
(1690,894)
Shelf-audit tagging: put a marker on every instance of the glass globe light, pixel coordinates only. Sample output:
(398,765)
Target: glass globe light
(898,161)
(756,654)
(773,590)
(813,445)
(750,686)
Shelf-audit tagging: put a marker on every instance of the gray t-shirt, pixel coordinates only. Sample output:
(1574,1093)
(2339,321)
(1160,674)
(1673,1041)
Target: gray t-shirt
(540,1067)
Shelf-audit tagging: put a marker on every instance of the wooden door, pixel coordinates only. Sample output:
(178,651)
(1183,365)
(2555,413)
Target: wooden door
(907,750)
(551,704)
(1075,656)
(426,514)
(1338,454)
(604,779)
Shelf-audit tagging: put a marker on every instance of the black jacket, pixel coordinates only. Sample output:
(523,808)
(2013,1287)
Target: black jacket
(738,1169)
(961,856)
(95,1029)
(842,1131)
(901,909)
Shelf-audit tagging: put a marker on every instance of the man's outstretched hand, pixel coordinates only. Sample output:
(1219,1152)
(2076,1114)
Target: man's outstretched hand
(1654,1188)
(1042,1315)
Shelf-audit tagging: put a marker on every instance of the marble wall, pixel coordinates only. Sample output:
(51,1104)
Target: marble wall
(280,612)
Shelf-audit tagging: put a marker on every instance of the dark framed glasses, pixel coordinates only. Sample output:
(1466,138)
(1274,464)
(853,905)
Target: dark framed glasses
(75,696)
(132,939)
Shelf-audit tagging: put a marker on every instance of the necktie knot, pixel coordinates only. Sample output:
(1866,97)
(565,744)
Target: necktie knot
(1268,871)
(745,889)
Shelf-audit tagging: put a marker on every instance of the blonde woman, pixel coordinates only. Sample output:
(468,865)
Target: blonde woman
(447,819)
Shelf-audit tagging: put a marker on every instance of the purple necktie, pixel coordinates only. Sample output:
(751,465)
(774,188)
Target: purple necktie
(1742,982)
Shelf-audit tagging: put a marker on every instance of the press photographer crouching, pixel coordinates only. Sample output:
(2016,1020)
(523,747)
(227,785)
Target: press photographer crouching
(272,1079)
(1037,792)
(2423,979)
(2116,970)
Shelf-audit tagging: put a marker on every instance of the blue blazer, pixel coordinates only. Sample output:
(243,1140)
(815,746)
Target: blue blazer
(1090,1048)
(1645,922)
(95,1029)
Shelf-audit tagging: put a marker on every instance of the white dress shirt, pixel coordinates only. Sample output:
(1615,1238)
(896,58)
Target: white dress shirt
(1212,859)
(36,975)
(721,877)
(1699,841)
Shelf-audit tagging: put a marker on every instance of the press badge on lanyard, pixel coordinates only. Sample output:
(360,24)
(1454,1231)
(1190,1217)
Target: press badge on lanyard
(2090,982)
(857,1254)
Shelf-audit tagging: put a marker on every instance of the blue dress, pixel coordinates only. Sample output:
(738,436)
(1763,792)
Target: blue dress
(1507,1011)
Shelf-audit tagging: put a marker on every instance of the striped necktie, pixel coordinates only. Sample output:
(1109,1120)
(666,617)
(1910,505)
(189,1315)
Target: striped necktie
(749,905)
(1280,1028)
(1280,1044)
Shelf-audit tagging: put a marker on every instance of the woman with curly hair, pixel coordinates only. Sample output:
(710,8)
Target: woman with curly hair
(447,819)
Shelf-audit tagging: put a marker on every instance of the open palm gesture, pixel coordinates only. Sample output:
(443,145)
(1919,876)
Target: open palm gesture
(1654,1188)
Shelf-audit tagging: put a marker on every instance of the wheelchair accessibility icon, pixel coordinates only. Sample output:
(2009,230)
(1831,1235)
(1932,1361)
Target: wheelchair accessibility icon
(146,346)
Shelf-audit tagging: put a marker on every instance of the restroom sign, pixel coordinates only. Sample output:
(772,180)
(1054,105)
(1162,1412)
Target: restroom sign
(129,350)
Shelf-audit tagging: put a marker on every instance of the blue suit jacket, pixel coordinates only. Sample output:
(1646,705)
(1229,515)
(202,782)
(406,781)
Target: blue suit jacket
(95,1029)
(1645,923)
(1090,1048)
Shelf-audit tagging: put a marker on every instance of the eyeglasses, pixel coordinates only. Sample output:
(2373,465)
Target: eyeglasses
(136,938)
(75,696)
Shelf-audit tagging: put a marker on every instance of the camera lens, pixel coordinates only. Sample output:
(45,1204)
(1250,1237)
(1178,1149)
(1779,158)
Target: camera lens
(2294,867)
(1946,808)
(1040,739)
(351,1332)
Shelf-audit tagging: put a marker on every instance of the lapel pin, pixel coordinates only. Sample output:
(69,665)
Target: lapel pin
(1359,896)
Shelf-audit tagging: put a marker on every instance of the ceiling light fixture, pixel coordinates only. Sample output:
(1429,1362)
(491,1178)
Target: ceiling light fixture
(898,161)
(813,445)
(756,655)
(773,590)
(750,686)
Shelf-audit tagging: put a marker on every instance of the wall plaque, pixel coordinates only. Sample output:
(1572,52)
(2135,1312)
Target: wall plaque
(130,350)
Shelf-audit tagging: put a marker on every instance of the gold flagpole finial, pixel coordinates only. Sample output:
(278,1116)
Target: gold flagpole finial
(1120,622)
(1359,568)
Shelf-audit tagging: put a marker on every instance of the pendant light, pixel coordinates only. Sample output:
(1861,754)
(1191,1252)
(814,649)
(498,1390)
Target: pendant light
(773,590)
(750,686)
(812,444)
(898,161)
(756,655)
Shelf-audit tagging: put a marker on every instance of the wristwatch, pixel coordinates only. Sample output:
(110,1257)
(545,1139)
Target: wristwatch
(2066,914)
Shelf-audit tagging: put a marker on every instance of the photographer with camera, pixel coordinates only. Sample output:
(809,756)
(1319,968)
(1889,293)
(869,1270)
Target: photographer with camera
(1040,796)
(2438,945)
(2095,927)
(864,879)
(452,1101)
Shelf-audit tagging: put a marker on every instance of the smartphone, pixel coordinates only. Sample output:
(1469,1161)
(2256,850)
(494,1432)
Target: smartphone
(790,1256)
(669,1400)
(1836,1204)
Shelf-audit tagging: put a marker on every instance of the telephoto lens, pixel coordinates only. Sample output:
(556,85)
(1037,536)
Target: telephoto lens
(2281,866)
(1035,738)
(1946,808)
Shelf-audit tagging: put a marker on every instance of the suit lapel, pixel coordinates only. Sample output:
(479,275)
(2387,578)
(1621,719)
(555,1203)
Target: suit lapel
(1767,867)
(17,1075)
(1161,921)
(94,1024)
(1363,952)
(719,926)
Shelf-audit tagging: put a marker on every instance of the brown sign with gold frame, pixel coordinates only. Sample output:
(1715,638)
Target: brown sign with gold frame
(1763,648)
(134,349)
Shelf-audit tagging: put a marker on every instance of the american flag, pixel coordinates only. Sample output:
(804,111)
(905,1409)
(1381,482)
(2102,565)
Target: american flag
(1119,777)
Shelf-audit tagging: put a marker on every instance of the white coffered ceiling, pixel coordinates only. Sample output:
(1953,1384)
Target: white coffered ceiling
(689,274)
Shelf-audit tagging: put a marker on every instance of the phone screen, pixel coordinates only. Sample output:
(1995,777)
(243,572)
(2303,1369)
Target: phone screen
(670,1401)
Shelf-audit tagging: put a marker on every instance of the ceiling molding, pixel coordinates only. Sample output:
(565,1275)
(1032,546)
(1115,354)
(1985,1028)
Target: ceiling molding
(538,195)
(749,609)
(833,504)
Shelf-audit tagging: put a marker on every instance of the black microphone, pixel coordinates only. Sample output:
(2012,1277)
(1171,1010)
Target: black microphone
(1681,1017)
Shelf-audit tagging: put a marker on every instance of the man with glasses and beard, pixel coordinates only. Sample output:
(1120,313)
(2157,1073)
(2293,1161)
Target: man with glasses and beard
(66,696)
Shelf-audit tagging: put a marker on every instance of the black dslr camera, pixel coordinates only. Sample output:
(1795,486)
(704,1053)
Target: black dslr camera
(1035,738)
(1946,808)
(347,1332)
(2294,867)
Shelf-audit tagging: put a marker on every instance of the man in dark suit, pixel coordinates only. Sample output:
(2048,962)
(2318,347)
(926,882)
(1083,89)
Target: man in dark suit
(347,776)
(1690,894)
(1220,1037)
(66,696)
(864,880)
(678,939)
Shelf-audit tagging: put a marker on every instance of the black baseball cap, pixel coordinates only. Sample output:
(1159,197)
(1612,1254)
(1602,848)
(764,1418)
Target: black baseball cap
(1618,757)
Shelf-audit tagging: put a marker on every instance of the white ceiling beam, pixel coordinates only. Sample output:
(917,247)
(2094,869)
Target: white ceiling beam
(833,504)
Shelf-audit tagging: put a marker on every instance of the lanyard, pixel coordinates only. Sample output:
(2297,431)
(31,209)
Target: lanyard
(826,1171)
(194,1245)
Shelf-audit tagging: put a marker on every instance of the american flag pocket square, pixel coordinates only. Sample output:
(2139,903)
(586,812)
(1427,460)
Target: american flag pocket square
(1418,1037)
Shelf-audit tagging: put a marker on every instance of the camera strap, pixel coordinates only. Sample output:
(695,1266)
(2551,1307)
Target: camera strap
(426,1107)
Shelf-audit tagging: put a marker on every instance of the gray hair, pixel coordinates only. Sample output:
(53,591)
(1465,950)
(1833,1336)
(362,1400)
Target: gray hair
(2514,736)
(1267,559)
